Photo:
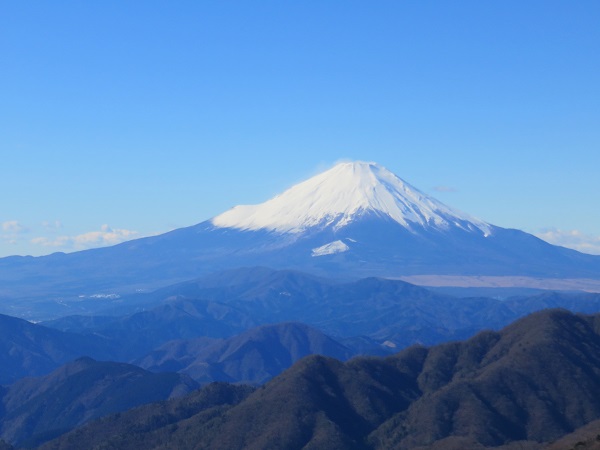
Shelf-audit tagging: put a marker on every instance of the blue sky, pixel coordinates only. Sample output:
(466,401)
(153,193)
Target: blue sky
(121,119)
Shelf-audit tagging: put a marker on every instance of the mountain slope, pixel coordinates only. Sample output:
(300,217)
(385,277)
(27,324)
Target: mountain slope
(533,382)
(35,409)
(27,349)
(254,356)
(154,423)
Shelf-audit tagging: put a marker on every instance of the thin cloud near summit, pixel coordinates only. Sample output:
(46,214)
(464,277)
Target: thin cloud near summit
(104,237)
(574,239)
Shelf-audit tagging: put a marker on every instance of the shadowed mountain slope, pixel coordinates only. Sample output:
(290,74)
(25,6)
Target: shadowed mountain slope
(37,409)
(27,349)
(254,356)
(152,425)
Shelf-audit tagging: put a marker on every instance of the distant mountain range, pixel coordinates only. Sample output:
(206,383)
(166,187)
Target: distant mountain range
(354,220)
(227,303)
(524,387)
(225,327)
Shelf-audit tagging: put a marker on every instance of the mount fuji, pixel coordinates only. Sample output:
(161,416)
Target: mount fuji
(356,219)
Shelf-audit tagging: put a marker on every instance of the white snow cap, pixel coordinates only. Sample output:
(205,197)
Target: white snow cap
(343,193)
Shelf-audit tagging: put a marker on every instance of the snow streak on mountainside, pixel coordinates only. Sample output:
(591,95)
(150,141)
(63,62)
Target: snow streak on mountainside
(330,249)
(342,194)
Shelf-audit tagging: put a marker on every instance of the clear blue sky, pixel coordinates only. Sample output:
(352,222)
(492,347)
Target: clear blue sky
(121,119)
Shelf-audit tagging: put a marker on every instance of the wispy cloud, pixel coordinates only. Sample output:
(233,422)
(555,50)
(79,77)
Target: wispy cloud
(574,239)
(104,237)
(14,227)
(12,231)
(52,224)
(444,189)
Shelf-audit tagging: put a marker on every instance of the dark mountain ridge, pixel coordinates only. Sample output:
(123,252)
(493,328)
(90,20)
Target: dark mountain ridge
(531,383)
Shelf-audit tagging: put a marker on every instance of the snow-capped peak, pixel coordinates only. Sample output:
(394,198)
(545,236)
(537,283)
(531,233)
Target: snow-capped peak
(343,193)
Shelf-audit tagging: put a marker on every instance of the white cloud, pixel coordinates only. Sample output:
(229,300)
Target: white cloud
(105,237)
(574,239)
(14,227)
